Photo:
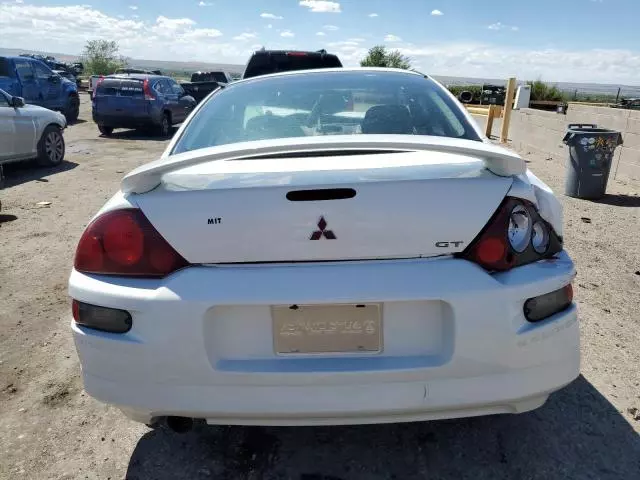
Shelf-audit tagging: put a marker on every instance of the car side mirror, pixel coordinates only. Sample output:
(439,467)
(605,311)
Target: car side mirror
(17,102)
(54,79)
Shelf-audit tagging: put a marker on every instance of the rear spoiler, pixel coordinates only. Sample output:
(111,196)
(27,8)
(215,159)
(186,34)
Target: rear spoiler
(498,160)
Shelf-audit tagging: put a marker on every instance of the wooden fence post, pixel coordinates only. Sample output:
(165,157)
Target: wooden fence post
(508,106)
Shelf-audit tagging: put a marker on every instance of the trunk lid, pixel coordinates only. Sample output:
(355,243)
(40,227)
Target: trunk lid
(362,205)
(116,96)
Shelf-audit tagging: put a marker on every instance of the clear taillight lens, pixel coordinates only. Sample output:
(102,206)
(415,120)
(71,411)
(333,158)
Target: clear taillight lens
(123,242)
(515,235)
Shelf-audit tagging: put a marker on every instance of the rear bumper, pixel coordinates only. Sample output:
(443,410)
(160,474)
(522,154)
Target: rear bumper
(455,343)
(123,121)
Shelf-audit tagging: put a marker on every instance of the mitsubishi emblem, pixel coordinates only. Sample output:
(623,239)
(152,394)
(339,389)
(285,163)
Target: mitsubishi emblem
(322,231)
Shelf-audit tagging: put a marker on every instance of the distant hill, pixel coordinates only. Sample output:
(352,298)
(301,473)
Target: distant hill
(175,67)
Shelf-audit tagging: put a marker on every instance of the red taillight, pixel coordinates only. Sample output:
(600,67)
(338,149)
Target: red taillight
(123,242)
(95,89)
(492,250)
(146,88)
(297,54)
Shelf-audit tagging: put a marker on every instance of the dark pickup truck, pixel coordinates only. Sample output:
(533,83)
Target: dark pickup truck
(203,83)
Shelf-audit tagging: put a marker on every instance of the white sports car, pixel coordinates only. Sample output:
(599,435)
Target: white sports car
(334,246)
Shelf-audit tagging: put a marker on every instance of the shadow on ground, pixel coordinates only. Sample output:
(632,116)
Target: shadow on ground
(138,135)
(29,171)
(619,200)
(577,434)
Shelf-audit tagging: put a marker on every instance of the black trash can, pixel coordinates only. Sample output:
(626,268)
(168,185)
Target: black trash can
(591,152)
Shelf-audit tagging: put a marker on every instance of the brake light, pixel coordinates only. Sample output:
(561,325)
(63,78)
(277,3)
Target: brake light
(146,88)
(516,235)
(95,89)
(123,242)
(297,54)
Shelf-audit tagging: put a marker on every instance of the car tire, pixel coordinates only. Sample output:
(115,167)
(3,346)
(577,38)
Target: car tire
(164,130)
(72,111)
(51,147)
(106,131)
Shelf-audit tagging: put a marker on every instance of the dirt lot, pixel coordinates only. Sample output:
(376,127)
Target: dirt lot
(50,429)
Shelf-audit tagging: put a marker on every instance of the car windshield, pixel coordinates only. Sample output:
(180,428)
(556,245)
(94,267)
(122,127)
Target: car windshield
(326,103)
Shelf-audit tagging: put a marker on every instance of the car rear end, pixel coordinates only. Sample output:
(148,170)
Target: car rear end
(326,281)
(125,102)
(265,62)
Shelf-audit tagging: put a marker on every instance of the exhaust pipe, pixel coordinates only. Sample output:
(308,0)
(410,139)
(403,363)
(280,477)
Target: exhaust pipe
(180,424)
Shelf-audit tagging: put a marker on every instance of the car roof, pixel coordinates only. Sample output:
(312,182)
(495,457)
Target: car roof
(292,50)
(136,76)
(319,71)
(18,57)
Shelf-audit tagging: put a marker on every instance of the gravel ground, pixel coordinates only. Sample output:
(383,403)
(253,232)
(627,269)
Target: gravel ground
(50,429)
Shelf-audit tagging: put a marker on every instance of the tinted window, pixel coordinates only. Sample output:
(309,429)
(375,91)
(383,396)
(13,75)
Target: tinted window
(5,69)
(25,72)
(331,103)
(3,101)
(42,72)
(209,76)
(120,88)
(175,88)
(265,63)
(160,86)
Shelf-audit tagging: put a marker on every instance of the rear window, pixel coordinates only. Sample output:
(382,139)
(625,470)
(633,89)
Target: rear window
(265,63)
(326,103)
(120,88)
(209,76)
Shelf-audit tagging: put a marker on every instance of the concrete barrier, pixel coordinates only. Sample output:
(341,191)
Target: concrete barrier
(542,132)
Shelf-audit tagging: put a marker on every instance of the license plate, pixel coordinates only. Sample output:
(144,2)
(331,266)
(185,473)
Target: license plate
(308,329)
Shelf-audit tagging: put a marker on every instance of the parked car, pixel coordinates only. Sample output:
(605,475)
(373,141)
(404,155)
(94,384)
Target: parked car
(203,83)
(279,265)
(140,101)
(30,131)
(32,80)
(263,62)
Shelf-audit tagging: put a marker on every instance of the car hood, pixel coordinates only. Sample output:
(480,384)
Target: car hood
(45,113)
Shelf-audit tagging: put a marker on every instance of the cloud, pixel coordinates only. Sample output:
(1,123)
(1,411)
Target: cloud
(320,34)
(331,28)
(356,40)
(67,28)
(271,16)
(502,26)
(373,15)
(205,4)
(321,6)
(269,26)
(243,37)
(392,38)
(287,34)
(436,13)
(133,7)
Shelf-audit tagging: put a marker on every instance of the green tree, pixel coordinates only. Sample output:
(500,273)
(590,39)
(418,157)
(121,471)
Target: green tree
(542,91)
(102,57)
(378,56)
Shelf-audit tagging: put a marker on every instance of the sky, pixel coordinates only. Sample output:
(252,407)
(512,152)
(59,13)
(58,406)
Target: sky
(554,40)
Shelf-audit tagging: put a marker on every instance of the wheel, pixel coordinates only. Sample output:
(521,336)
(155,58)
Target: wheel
(106,131)
(51,147)
(72,111)
(165,126)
